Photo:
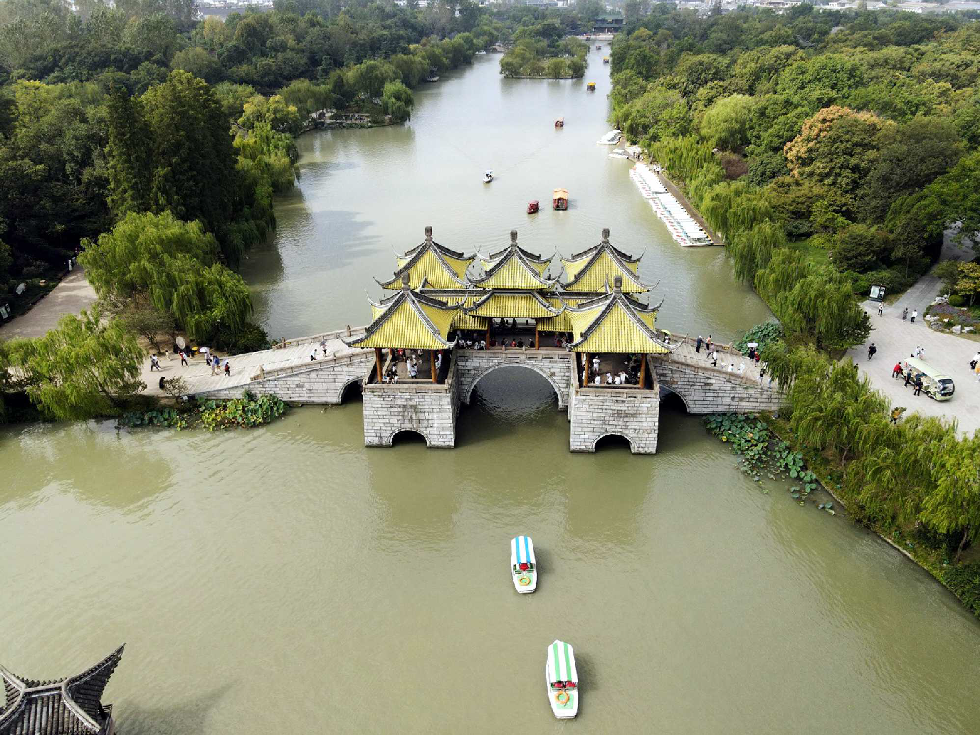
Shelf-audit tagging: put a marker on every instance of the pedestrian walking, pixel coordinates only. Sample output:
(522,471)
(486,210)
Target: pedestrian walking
(215,365)
(905,313)
(975,361)
(313,355)
(227,368)
(918,385)
(881,308)
(708,343)
(154,363)
(872,350)
(897,370)
(697,347)
(908,377)
(183,359)
(762,374)
(714,358)
(977,371)
(896,412)
(915,313)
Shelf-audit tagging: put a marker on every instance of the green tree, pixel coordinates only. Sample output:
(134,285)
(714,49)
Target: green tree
(725,124)
(85,367)
(953,505)
(397,101)
(860,248)
(195,60)
(968,282)
(174,264)
(274,111)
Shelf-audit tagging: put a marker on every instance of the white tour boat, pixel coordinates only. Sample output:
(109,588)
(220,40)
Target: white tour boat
(523,568)
(611,138)
(562,680)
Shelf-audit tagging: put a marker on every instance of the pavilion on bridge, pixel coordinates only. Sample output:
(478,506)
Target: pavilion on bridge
(508,299)
(70,706)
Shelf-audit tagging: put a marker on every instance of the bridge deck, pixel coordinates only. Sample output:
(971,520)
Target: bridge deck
(198,375)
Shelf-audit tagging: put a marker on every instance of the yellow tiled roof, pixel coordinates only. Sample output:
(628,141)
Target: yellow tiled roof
(513,305)
(513,271)
(433,265)
(560,322)
(615,324)
(597,268)
(409,320)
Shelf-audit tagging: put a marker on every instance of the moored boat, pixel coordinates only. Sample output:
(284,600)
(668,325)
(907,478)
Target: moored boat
(562,680)
(610,138)
(559,199)
(523,568)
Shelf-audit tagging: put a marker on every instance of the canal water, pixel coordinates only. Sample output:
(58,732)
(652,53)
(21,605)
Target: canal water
(287,579)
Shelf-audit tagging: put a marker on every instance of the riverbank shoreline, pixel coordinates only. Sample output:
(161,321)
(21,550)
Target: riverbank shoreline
(818,466)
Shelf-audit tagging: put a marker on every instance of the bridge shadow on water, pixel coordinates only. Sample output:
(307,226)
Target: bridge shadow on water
(505,401)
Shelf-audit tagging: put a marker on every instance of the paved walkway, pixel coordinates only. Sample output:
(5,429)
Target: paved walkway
(70,296)
(896,340)
(198,375)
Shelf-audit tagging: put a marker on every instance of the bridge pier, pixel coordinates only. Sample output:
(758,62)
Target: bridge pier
(429,409)
(630,412)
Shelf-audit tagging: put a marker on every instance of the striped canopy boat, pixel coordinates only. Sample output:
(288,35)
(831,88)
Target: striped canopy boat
(562,679)
(523,568)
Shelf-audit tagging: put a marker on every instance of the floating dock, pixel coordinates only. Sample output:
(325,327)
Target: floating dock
(683,227)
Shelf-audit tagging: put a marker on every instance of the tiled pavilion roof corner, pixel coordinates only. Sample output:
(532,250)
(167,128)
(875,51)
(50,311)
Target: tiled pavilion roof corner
(71,706)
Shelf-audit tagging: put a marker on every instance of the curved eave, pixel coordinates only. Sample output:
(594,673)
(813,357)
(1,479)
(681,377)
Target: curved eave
(532,272)
(630,312)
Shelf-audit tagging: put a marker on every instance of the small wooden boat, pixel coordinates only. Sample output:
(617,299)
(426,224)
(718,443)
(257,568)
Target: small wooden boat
(532,206)
(605,59)
(598,47)
(560,122)
(562,680)
(590,86)
(523,568)
(559,199)
(487,176)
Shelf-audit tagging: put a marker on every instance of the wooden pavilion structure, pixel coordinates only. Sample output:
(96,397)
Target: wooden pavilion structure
(408,320)
(439,295)
(70,706)
(616,323)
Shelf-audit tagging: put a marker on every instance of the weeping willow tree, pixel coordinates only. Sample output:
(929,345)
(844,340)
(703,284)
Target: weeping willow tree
(83,368)
(682,157)
(175,264)
(953,504)
(752,250)
(814,304)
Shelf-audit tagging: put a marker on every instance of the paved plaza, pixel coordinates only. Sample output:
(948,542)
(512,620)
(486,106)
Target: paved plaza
(896,340)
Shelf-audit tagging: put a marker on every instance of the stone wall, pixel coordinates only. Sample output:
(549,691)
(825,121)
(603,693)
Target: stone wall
(709,390)
(322,382)
(429,409)
(554,365)
(628,412)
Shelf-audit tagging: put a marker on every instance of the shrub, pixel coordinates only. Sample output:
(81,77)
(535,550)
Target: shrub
(957,300)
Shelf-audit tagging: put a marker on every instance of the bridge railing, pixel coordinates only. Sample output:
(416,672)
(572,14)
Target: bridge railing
(338,356)
(317,338)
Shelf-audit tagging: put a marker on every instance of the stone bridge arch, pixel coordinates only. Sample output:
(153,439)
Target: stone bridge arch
(554,366)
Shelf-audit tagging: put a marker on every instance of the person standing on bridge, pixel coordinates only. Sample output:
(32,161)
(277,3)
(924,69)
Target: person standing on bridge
(714,358)
(313,355)
(708,343)
(697,347)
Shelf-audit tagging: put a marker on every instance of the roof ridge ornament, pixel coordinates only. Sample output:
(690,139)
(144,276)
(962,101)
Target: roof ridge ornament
(428,234)
(513,238)
(405,281)
(617,282)
(605,235)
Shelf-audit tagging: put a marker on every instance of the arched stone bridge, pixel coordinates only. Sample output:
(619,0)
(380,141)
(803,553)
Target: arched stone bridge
(431,409)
